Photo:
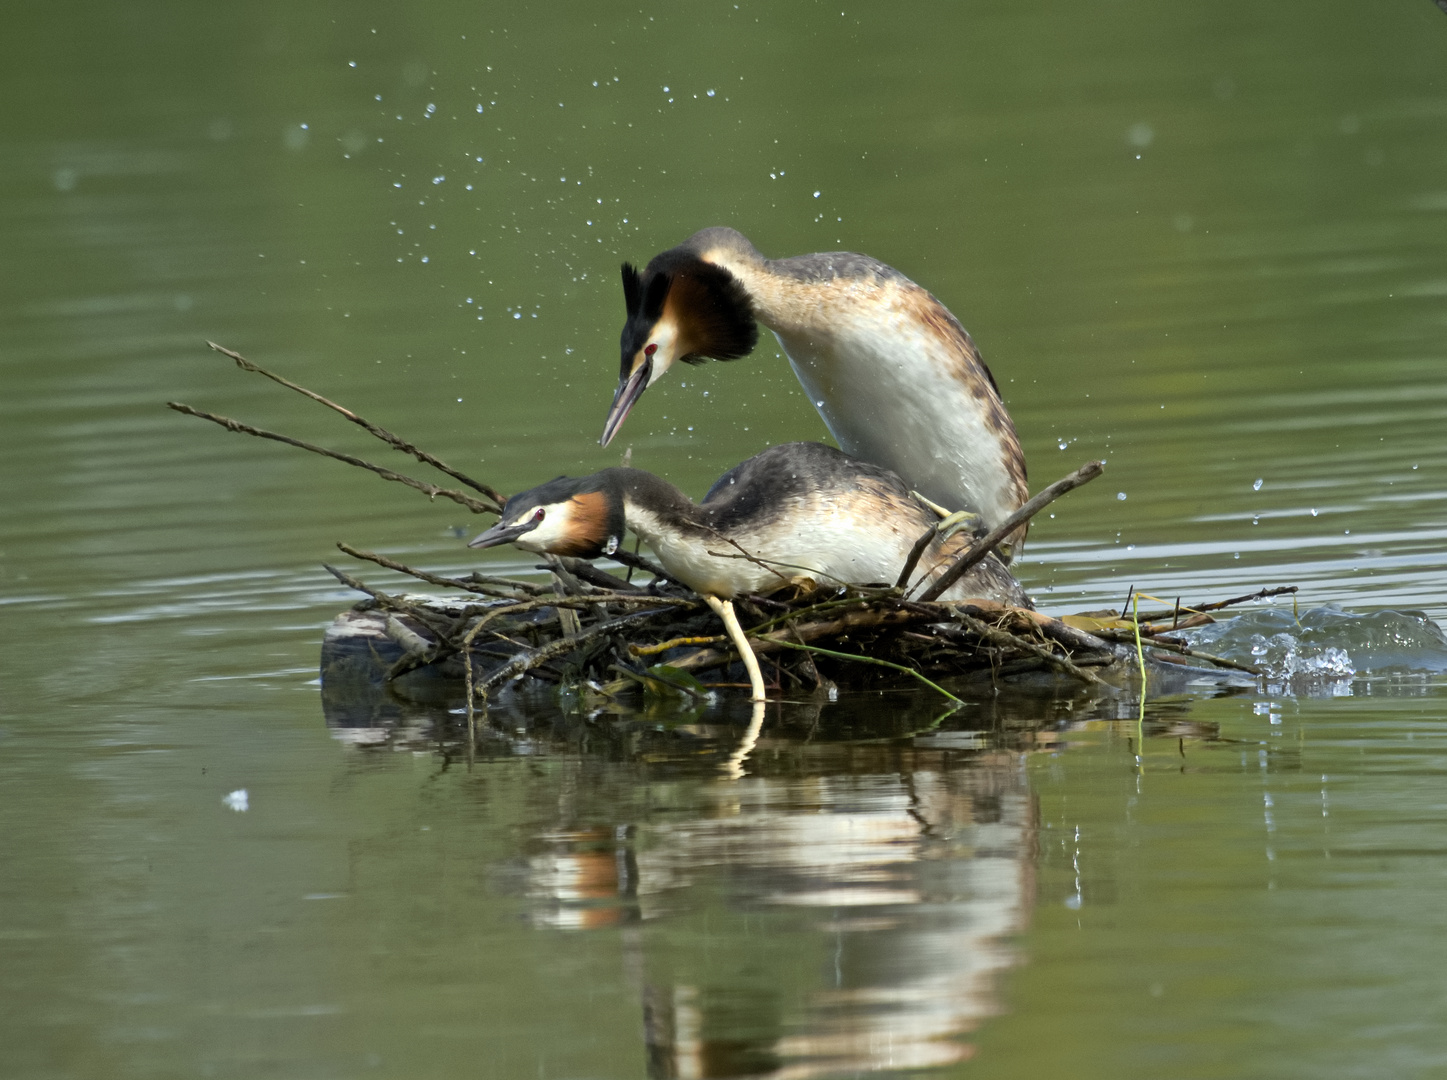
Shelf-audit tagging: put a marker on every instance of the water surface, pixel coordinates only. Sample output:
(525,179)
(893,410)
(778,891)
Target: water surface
(1209,246)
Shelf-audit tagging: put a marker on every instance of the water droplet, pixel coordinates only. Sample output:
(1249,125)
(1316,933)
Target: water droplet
(1257,486)
(816,194)
(1063,444)
(710,93)
(1120,496)
(1313,511)
(438,179)
(431,109)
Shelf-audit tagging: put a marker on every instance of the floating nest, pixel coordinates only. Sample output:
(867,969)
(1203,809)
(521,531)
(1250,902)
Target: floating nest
(594,631)
(644,633)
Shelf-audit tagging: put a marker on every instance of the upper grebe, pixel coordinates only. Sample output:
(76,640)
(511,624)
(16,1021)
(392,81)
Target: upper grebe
(894,375)
(802,511)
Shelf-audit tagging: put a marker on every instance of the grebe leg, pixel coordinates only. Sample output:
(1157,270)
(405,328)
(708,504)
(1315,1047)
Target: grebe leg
(951,523)
(724,609)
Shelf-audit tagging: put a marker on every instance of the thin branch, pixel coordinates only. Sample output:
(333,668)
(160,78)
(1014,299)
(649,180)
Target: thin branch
(382,433)
(914,556)
(531,588)
(525,662)
(423,575)
(586,571)
(995,536)
(639,562)
(430,490)
(1125,637)
(870,660)
(642,680)
(674,643)
(1004,638)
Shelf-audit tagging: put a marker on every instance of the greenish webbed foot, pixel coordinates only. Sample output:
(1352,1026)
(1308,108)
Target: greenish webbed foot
(952,522)
(960,519)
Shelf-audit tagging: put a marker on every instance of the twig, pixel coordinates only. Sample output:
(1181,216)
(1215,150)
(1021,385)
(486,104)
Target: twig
(1201,609)
(642,680)
(380,432)
(852,620)
(1262,595)
(1125,637)
(430,490)
(870,660)
(525,662)
(640,562)
(423,575)
(586,571)
(1003,637)
(745,554)
(674,643)
(522,586)
(995,536)
(914,556)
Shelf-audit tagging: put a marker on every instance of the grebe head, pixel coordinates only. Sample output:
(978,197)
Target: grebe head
(680,308)
(581,517)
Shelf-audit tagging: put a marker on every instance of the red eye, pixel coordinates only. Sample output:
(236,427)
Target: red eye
(650,350)
(539,514)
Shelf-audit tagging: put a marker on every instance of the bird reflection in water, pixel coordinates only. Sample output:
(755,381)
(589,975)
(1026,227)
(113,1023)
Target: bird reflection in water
(884,897)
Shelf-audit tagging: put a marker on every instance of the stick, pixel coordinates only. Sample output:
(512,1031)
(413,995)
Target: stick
(525,662)
(992,539)
(634,561)
(380,432)
(852,620)
(1262,595)
(423,575)
(642,680)
(872,660)
(724,609)
(674,643)
(1124,636)
(1014,641)
(511,583)
(430,490)
(586,571)
(914,555)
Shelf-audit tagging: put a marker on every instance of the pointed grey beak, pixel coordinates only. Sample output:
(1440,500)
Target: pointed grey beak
(501,534)
(630,389)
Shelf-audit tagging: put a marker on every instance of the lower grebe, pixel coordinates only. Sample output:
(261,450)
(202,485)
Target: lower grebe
(795,514)
(894,375)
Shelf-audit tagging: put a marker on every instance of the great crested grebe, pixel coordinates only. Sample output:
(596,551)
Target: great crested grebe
(796,513)
(894,375)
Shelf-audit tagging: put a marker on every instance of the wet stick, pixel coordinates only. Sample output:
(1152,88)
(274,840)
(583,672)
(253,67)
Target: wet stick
(856,658)
(432,491)
(519,589)
(996,536)
(394,441)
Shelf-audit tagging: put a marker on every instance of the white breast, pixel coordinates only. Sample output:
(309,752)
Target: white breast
(884,389)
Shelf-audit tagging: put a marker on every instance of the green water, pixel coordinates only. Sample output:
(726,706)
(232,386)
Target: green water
(1208,244)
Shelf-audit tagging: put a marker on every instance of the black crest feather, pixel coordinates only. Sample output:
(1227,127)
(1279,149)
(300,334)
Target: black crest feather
(714,312)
